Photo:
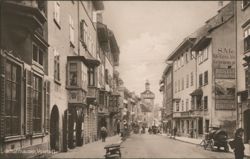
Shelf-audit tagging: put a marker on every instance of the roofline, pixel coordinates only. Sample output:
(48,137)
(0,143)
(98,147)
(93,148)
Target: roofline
(179,47)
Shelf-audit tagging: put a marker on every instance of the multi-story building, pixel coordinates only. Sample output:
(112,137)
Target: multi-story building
(147,104)
(216,65)
(183,84)
(25,93)
(204,77)
(108,51)
(51,83)
(167,91)
(243,61)
(72,63)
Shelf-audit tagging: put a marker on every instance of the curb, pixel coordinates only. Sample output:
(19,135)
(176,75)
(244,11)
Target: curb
(248,156)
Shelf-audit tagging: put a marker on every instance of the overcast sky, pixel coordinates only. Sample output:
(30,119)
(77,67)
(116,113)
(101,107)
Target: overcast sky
(148,31)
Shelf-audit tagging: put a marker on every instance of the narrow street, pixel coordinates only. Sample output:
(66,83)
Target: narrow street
(157,146)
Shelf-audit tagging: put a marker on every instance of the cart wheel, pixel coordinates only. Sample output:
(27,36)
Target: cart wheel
(212,144)
(226,149)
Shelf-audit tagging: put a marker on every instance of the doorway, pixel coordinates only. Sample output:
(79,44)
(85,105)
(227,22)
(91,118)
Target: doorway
(200,126)
(247,126)
(54,129)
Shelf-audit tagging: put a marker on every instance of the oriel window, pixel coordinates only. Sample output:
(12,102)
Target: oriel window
(73,74)
(91,76)
(12,99)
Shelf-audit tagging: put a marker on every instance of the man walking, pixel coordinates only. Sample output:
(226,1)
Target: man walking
(239,145)
(103,133)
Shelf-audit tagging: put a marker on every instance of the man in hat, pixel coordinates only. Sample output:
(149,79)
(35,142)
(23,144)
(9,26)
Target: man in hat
(103,133)
(239,145)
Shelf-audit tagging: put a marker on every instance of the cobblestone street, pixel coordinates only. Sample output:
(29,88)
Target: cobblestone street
(92,150)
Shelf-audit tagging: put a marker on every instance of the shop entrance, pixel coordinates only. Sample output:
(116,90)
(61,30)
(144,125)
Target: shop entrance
(200,126)
(75,136)
(247,125)
(54,129)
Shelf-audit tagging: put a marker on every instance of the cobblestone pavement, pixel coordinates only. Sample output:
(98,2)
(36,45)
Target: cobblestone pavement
(91,150)
(158,146)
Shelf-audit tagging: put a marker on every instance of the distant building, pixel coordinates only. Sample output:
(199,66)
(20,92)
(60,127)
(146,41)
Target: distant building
(147,104)
(167,103)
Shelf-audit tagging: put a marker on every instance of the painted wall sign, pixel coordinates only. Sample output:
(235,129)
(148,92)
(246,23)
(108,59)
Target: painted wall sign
(225,73)
(225,84)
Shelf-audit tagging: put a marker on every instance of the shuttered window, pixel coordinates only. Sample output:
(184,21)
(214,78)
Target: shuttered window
(29,110)
(37,104)
(71,31)
(12,99)
(56,65)
(46,105)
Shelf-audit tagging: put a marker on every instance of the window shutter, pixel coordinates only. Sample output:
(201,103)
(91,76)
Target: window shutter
(29,108)
(48,107)
(81,31)
(2,95)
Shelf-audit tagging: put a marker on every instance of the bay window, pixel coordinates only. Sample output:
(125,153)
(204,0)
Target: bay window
(73,74)
(91,76)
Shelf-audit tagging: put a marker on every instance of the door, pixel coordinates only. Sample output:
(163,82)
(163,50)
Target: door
(54,129)
(247,125)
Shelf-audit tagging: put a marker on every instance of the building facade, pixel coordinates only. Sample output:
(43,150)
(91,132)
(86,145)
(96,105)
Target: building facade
(147,104)
(167,91)
(25,93)
(243,48)
(57,69)
(204,77)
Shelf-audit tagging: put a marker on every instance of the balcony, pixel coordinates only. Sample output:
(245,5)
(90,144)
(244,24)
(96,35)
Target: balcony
(24,15)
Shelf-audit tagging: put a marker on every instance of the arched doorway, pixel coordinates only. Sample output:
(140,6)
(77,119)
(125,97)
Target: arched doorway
(54,129)
(247,125)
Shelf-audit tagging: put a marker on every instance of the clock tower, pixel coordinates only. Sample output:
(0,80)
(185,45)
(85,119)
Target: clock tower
(147,98)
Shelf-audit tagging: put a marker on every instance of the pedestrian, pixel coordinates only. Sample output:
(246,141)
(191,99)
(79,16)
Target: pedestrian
(237,144)
(103,133)
(175,131)
(118,127)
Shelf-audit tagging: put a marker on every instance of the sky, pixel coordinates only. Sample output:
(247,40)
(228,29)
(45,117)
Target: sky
(148,31)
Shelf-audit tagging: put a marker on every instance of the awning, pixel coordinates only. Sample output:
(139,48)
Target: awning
(197,92)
